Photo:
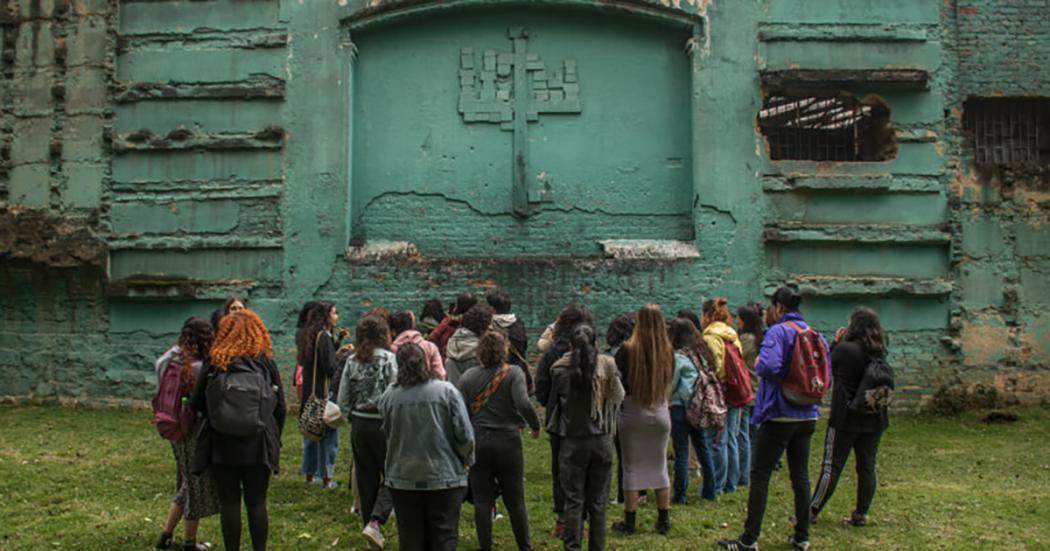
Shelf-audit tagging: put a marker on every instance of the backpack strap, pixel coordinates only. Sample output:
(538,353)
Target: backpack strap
(483,397)
(798,328)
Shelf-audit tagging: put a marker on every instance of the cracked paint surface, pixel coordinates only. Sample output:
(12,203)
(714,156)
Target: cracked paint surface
(156,157)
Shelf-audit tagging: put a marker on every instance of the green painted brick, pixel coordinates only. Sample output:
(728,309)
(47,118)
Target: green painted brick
(663,147)
(84,183)
(206,265)
(185,65)
(844,207)
(919,261)
(184,16)
(175,217)
(854,11)
(164,166)
(200,115)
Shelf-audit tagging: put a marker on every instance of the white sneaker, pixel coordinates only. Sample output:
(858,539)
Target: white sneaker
(373,536)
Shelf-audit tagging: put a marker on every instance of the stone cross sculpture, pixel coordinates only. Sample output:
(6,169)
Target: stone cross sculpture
(512,89)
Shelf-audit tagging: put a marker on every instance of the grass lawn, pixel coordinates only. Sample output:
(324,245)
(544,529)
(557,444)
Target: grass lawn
(74,478)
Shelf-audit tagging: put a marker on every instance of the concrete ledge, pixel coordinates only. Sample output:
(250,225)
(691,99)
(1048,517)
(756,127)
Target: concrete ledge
(382,250)
(648,249)
(870,285)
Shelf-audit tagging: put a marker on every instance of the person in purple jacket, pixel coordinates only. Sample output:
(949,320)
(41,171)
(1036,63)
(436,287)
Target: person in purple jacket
(782,426)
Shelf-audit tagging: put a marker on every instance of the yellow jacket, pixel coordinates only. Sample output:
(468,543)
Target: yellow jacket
(715,335)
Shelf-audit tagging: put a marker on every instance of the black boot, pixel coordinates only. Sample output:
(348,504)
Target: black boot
(626,526)
(663,521)
(164,541)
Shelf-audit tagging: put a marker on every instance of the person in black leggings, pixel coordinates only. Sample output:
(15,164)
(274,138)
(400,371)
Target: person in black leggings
(241,464)
(497,397)
(850,429)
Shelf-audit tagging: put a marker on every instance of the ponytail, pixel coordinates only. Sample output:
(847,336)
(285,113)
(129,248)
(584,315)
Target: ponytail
(584,352)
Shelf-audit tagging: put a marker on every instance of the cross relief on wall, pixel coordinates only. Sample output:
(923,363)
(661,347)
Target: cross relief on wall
(513,89)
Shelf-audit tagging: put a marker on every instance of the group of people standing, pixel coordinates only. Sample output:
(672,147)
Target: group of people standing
(437,405)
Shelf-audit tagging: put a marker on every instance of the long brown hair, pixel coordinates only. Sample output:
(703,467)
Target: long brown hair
(650,357)
(866,330)
(685,336)
(241,334)
(372,332)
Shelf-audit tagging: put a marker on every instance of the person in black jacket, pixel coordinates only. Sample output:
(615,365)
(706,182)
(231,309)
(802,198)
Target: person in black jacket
(241,463)
(316,351)
(588,393)
(502,317)
(570,316)
(860,431)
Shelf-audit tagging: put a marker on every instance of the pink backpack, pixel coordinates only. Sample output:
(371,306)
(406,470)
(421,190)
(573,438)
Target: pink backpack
(172,414)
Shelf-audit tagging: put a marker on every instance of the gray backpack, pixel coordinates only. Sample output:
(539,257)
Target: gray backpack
(241,400)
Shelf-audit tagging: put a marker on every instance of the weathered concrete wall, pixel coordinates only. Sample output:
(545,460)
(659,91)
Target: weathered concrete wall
(1002,251)
(165,154)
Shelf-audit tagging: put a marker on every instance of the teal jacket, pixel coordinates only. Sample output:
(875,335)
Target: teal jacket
(683,381)
(429,440)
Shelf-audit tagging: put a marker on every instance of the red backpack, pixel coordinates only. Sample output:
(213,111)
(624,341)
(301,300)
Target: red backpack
(737,385)
(172,414)
(809,377)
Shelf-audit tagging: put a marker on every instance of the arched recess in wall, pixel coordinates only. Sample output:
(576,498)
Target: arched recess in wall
(511,129)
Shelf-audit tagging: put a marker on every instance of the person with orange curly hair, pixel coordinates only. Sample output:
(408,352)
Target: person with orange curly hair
(242,443)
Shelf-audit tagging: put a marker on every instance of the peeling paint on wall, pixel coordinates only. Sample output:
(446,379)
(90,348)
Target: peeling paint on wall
(153,163)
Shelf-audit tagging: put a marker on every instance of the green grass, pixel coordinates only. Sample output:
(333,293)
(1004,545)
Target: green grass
(74,478)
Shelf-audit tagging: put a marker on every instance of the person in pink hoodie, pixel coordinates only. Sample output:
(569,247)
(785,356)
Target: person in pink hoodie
(403,324)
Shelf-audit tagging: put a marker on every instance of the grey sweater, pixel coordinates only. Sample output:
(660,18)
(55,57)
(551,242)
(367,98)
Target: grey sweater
(509,408)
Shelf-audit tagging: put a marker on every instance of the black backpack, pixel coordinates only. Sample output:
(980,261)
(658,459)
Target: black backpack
(875,391)
(241,400)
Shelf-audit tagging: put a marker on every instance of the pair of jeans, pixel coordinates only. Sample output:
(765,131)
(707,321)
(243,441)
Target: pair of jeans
(319,457)
(682,433)
(428,520)
(369,450)
(585,471)
(727,453)
(499,464)
(774,437)
(253,481)
(837,445)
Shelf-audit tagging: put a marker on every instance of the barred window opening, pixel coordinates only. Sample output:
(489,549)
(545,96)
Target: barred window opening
(1011,132)
(826,128)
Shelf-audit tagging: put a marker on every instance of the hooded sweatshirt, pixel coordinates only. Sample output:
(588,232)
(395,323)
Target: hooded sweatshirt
(774,360)
(462,353)
(519,342)
(715,335)
(437,367)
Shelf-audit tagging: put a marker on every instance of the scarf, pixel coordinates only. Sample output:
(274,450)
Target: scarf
(607,394)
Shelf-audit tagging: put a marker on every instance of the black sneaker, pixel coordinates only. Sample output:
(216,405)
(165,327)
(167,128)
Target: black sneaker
(196,546)
(164,541)
(798,545)
(622,528)
(857,520)
(737,545)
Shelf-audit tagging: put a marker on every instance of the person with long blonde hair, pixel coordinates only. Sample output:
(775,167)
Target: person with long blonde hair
(646,365)
(243,459)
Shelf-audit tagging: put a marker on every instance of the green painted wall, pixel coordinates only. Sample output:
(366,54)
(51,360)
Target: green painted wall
(157,156)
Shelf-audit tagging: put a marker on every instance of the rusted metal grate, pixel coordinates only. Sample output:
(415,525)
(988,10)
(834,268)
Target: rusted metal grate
(1008,131)
(813,128)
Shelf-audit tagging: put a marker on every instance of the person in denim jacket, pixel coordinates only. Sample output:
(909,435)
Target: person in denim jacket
(430,444)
